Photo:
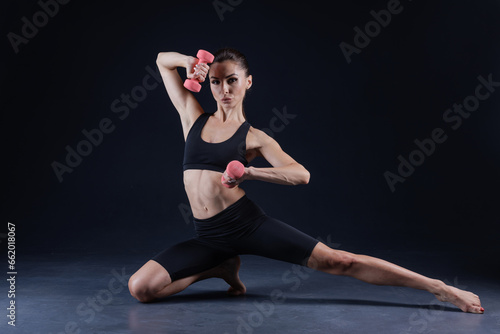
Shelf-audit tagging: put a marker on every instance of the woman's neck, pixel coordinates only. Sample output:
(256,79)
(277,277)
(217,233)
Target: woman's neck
(230,114)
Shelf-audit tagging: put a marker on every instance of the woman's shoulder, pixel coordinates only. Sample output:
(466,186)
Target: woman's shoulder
(258,136)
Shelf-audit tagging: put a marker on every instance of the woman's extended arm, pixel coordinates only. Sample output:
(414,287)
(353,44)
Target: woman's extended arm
(292,174)
(185,103)
(285,169)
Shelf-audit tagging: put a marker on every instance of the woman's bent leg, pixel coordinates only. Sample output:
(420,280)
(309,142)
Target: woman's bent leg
(380,272)
(152,282)
(181,265)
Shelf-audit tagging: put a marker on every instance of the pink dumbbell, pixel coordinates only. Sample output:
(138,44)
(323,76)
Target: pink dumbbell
(204,57)
(235,170)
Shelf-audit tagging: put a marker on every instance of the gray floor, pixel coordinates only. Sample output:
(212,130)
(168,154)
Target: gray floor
(74,293)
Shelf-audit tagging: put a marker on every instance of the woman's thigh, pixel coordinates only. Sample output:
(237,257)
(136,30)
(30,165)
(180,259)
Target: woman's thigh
(190,257)
(277,240)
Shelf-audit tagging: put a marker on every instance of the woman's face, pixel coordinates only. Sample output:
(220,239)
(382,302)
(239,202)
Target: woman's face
(228,83)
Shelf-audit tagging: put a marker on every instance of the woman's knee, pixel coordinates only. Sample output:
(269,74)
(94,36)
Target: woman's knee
(332,261)
(139,289)
(340,262)
(147,281)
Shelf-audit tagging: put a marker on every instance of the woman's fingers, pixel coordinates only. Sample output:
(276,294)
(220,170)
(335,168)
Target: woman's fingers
(228,179)
(202,68)
(200,72)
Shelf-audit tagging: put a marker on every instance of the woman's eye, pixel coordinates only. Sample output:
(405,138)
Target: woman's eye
(231,80)
(215,82)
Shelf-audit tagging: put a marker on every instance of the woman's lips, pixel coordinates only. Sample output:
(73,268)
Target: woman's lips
(226,100)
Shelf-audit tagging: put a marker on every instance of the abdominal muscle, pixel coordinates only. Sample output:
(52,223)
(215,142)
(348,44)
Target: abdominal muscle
(206,193)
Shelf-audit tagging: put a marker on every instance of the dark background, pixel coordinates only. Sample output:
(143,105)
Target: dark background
(352,122)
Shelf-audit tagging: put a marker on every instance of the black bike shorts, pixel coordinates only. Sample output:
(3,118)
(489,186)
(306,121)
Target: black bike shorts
(241,228)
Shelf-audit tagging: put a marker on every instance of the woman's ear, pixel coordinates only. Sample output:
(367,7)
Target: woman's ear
(249,81)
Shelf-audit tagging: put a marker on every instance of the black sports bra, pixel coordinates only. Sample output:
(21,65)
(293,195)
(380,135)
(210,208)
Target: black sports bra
(199,154)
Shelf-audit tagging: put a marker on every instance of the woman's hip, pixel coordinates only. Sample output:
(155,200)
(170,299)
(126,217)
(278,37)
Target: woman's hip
(235,221)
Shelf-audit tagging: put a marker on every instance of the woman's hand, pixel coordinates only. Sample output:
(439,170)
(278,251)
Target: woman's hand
(234,182)
(196,71)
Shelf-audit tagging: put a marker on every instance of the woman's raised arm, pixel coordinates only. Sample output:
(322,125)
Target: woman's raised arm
(186,104)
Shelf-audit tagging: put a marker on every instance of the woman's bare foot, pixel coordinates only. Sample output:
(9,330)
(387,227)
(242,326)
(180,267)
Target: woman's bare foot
(228,271)
(465,300)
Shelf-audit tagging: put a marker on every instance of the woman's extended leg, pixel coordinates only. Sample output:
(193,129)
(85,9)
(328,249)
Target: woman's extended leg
(152,281)
(380,272)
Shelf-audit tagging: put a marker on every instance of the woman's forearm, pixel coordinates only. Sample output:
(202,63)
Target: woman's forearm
(172,60)
(293,174)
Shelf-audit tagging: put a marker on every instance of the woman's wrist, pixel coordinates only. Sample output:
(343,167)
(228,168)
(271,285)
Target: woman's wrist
(250,173)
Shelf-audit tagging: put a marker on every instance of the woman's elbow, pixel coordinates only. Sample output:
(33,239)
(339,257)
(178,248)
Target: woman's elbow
(305,176)
(159,56)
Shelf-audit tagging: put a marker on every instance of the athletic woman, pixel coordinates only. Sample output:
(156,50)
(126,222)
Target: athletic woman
(227,222)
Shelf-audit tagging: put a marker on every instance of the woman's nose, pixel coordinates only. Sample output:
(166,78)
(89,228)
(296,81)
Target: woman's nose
(225,88)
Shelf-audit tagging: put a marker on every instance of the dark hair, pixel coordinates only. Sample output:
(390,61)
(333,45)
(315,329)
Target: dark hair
(234,55)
